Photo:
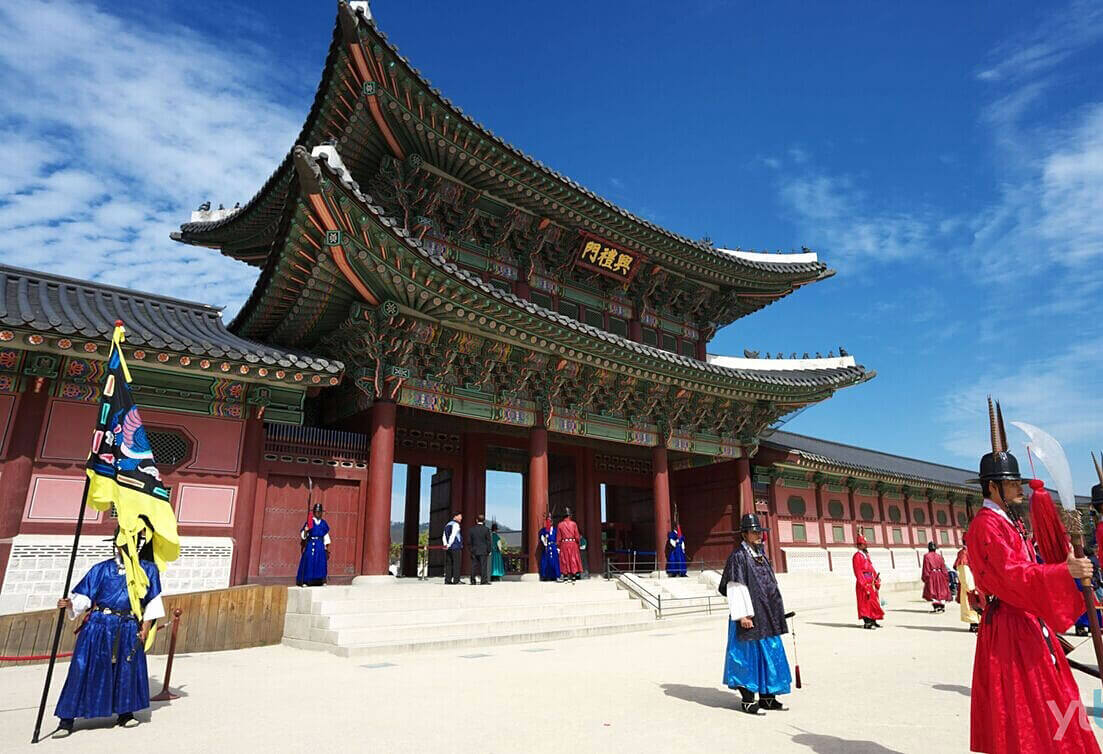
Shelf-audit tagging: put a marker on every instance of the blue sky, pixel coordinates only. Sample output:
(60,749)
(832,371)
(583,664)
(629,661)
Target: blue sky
(945,158)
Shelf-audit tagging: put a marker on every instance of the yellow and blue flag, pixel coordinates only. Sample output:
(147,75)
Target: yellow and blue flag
(121,472)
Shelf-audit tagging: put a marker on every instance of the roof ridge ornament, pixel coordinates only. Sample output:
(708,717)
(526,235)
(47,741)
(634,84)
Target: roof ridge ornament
(363,6)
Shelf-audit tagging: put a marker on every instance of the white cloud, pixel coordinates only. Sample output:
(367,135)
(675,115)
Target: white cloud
(1059,392)
(838,217)
(128,129)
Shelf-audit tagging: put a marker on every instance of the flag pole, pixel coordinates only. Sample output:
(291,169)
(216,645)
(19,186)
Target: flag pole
(61,612)
(117,337)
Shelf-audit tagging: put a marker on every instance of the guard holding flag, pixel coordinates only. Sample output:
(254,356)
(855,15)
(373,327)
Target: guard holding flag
(1024,698)
(108,673)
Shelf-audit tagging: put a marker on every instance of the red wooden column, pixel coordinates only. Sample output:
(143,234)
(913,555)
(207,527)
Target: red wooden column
(774,542)
(746,488)
(907,517)
(377,518)
(537,490)
(635,330)
(30,413)
(411,520)
(252,453)
(821,508)
(660,478)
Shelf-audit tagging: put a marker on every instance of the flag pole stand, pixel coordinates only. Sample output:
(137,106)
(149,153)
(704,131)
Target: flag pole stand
(61,613)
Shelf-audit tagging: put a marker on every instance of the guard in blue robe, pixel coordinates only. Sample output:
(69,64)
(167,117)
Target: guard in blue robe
(549,560)
(107,675)
(676,560)
(314,562)
(755,661)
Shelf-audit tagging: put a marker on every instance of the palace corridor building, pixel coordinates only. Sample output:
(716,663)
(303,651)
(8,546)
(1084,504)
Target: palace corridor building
(431,296)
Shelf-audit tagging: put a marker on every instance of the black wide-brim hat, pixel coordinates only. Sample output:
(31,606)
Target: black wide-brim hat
(1097,494)
(750,522)
(998,467)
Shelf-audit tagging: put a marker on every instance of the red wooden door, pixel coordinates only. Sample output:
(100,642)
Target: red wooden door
(285,509)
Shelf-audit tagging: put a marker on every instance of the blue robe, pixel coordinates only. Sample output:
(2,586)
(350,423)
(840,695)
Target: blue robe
(101,681)
(313,564)
(676,561)
(497,562)
(549,560)
(755,658)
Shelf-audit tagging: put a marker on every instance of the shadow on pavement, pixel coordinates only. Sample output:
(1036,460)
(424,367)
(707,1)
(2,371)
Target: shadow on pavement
(708,697)
(963,690)
(835,745)
(954,629)
(910,610)
(836,625)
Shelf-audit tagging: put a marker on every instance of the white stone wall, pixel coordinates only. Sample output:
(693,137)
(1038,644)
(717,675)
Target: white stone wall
(806,559)
(36,568)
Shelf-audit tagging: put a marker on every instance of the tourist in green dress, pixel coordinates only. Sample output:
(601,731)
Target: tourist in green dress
(497,562)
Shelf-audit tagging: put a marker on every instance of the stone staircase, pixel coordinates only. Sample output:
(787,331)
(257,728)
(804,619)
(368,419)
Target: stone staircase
(697,593)
(671,597)
(405,616)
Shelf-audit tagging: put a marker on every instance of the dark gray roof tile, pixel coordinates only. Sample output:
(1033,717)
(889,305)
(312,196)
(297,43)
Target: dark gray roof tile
(63,306)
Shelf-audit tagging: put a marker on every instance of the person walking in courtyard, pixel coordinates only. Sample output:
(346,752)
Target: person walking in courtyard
(497,559)
(676,560)
(108,674)
(549,558)
(452,540)
(479,542)
(936,585)
(754,661)
(1024,698)
(968,597)
(315,541)
(867,586)
(570,557)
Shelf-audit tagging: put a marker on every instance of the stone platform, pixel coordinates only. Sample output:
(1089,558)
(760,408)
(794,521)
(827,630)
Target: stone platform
(366,619)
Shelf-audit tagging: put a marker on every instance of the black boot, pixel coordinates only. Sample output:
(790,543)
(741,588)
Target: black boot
(769,702)
(867,623)
(64,728)
(875,624)
(748,704)
(127,720)
(974,628)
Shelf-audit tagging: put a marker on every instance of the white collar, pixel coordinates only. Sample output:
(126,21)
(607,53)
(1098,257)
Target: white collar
(998,510)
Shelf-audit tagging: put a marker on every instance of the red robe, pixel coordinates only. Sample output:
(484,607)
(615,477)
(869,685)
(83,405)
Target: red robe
(1022,684)
(936,582)
(867,587)
(570,557)
(1099,539)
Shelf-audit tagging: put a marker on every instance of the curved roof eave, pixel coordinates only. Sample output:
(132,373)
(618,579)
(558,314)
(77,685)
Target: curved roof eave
(821,377)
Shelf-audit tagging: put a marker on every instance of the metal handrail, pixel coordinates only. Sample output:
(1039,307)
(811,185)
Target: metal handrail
(665,605)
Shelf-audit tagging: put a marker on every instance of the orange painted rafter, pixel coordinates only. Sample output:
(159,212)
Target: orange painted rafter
(361,61)
(317,202)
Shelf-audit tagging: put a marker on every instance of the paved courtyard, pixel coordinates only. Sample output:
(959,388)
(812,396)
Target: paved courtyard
(904,688)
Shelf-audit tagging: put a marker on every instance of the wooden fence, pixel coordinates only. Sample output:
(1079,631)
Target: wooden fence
(234,618)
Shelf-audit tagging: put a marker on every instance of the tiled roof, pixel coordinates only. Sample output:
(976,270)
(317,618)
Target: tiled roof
(266,203)
(49,303)
(827,377)
(876,462)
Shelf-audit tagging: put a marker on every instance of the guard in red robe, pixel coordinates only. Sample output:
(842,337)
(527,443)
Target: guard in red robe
(570,557)
(936,581)
(1024,698)
(867,587)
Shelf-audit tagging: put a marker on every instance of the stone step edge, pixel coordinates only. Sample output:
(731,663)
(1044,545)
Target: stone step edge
(598,608)
(628,616)
(416,606)
(362,650)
